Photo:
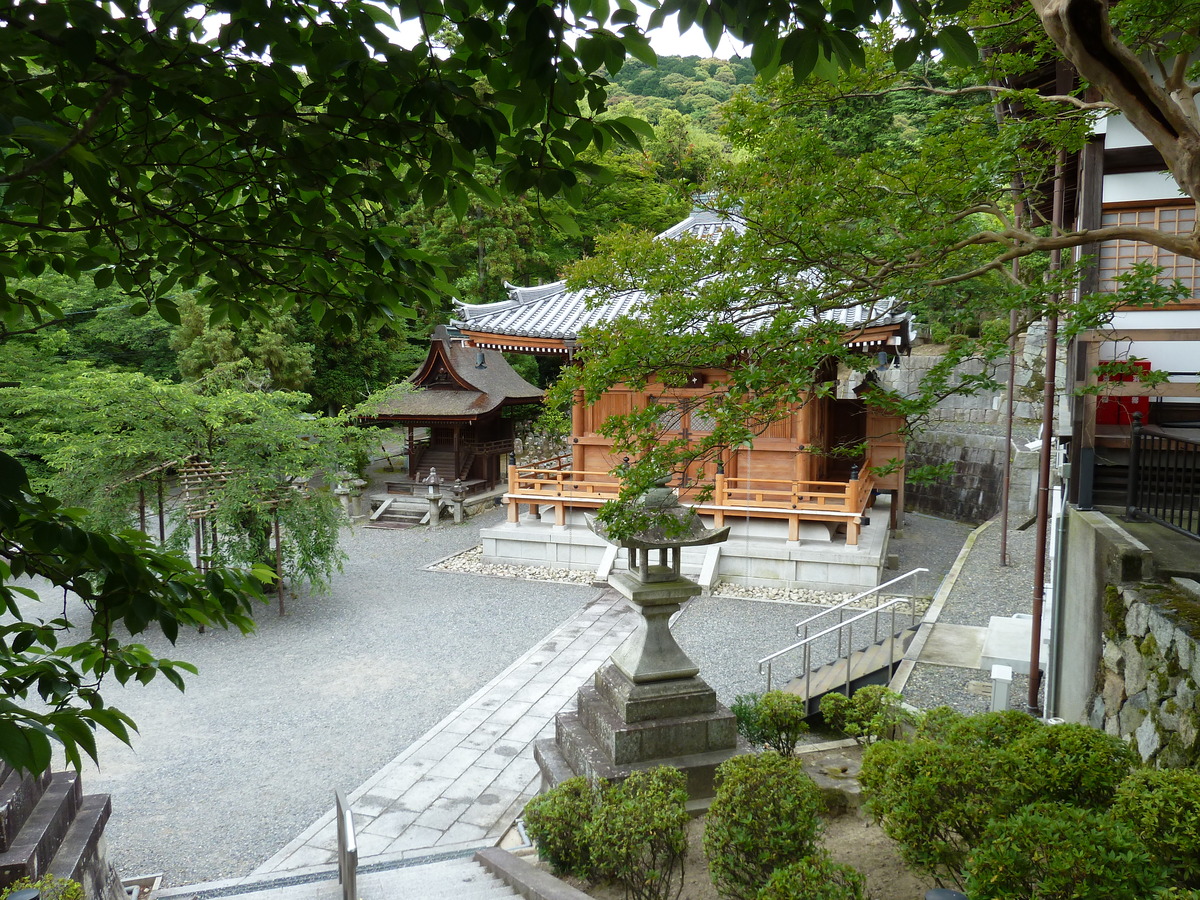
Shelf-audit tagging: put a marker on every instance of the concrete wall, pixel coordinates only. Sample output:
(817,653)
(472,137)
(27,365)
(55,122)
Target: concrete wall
(968,430)
(1126,656)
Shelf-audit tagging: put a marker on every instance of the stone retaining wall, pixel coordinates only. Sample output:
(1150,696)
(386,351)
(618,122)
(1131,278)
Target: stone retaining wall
(973,492)
(1149,670)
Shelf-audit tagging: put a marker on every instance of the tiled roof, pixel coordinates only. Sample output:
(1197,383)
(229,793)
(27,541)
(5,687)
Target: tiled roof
(550,312)
(460,382)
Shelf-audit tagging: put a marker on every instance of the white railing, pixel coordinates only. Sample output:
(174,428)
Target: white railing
(843,626)
(347,848)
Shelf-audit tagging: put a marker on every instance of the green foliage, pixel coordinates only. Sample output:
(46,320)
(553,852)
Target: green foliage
(765,815)
(984,730)
(745,711)
(940,795)
(558,821)
(638,833)
(775,720)
(52,668)
(1163,806)
(871,714)
(49,887)
(1070,764)
(1053,852)
(815,878)
(934,799)
(97,432)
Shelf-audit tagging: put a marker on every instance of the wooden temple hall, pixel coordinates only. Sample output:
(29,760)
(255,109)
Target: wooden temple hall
(455,416)
(806,512)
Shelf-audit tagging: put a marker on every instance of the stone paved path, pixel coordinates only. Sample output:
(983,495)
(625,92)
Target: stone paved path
(461,784)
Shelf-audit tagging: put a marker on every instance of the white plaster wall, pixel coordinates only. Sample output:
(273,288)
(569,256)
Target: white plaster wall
(1132,186)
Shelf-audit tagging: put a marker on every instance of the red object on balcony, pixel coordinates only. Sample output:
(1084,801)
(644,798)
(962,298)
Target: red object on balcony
(1120,410)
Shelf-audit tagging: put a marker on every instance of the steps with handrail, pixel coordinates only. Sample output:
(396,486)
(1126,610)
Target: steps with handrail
(853,666)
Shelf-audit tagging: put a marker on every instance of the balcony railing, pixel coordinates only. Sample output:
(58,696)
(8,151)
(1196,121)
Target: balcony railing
(1164,479)
(550,484)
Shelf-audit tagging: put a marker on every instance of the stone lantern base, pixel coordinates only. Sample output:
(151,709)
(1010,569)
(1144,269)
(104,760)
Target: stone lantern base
(621,726)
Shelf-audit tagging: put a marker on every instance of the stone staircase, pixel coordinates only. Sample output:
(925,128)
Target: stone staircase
(457,879)
(48,826)
(873,664)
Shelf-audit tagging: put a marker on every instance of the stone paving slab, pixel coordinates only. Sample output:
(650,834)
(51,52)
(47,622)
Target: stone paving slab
(458,786)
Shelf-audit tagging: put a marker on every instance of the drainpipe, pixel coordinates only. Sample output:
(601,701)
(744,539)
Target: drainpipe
(1045,455)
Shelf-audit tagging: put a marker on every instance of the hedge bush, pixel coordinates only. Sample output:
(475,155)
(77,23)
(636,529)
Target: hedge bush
(557,821)
(1163,806)
(870,714)
(775,720)
(638,833)
(765,815)
(815,878)
(934,799)
(1069,763)
(1052,852)
(51,887)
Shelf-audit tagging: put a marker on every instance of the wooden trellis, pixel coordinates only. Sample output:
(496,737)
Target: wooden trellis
(200,483)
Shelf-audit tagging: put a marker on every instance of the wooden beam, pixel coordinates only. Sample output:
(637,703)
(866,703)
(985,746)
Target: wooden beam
(1141,334)
(1137,389)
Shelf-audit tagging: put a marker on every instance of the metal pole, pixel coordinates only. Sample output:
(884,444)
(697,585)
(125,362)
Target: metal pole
(278,562)
(162,523)
(1043,497)
(1131,482)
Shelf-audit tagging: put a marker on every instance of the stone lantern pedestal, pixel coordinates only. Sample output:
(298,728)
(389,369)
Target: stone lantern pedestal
(647,706)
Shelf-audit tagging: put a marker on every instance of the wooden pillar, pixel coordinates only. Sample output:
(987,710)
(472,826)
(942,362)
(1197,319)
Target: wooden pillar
(412,454)
(142,508)
(457,460)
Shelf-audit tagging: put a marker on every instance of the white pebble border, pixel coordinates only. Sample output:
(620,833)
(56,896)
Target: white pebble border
(471,562)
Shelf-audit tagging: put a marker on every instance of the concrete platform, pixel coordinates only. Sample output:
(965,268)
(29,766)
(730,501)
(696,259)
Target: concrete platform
(757,553)
(955,645)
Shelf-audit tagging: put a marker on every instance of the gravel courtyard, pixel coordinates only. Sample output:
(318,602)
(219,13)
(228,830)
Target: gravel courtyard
(223,775)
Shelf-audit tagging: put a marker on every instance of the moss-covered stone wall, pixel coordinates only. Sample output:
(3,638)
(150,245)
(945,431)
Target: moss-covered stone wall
(1148,677)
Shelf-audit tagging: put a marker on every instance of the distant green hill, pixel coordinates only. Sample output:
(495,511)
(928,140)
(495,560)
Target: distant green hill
(690,84)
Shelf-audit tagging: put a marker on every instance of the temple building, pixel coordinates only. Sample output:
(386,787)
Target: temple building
(801,515)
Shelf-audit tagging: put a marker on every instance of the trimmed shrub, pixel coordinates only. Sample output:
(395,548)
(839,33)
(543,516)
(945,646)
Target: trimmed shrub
(766,814)
(781,718)
(934,799)
(934,724)
(775,720)
(992,729)
(638,833)
(1069,763)
(1052,852)
(815,878)
(557,821)
(1163,806)
(745,711)
(52,887)
(870,714)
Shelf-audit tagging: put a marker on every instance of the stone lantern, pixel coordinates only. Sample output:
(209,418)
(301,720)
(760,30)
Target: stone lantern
(647,705)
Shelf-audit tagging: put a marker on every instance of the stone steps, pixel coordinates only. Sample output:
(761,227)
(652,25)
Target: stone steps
(48,826)
(866,666)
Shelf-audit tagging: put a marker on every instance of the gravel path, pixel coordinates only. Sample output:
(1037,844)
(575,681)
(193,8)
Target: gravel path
(983,589)
(222,776)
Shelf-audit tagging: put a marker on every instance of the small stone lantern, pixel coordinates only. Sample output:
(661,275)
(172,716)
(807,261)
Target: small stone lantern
(647,705)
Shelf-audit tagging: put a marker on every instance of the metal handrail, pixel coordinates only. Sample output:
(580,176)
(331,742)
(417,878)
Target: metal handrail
(841,606)
(347,848)
(844,625)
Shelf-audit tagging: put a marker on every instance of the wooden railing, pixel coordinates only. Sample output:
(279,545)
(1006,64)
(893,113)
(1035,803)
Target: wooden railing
(796,501)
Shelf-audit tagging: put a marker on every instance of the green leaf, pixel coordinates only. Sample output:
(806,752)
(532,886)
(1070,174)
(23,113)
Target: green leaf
(958,45)
(905,53)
